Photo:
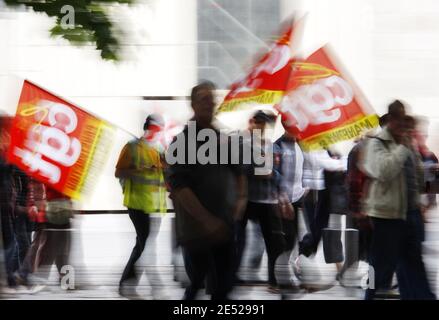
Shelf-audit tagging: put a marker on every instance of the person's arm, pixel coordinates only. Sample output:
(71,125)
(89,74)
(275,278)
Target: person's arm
(192,205)
(330,164)
(126,169)
(381,163)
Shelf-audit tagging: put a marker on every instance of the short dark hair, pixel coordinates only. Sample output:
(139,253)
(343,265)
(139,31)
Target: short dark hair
(206,84)
(261,116)
(396,108)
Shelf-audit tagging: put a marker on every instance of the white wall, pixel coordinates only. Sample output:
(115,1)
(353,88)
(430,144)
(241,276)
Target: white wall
(159,59)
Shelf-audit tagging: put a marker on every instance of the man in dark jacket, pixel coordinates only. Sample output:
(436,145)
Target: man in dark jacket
(205,195)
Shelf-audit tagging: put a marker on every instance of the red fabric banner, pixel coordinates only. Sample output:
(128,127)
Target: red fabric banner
(58,143)
(322,105)
(266,82)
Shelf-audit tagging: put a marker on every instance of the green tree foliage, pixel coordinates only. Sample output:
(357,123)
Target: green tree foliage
(91,22)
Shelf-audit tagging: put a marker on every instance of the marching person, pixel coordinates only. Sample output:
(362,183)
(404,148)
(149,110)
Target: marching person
(140,171)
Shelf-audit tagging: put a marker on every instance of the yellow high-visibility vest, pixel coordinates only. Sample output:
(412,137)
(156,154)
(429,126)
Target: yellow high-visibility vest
(145,191)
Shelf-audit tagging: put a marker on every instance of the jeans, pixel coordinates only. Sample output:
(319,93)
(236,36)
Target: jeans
(316,205)
(23,232)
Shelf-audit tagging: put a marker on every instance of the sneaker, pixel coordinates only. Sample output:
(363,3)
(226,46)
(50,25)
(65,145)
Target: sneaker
(37,288)
(296,268)
(9,290)
(351,279)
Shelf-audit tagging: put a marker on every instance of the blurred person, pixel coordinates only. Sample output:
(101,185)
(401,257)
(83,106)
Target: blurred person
(7,200)
(140,171)
(411,273)
(23,227)
(317,200)
(207,197)
(51,212)
(263,198)
(357,245)
(16,227)
(386,200)
(429,161)
(289,164)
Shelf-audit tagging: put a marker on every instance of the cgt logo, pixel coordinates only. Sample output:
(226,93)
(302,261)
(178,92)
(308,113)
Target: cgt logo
(50,137)
(316,103)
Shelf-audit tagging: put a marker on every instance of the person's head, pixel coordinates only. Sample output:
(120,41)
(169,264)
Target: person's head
(259,121)
(396,108)
(154,123)
(396,119)
(421,131)
(410,126)
(203,102)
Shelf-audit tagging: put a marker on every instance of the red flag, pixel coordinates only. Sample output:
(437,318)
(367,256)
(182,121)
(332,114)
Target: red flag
(266,82)
(56,142)
(323,106)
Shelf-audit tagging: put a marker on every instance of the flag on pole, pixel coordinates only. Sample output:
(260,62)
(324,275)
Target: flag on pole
(266,82)
(58,143)
(323,106)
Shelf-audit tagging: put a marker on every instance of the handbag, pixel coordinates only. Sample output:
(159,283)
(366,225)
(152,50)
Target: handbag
(59,211)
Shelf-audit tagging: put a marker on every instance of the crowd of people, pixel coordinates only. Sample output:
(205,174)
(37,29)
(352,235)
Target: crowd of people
(384,187)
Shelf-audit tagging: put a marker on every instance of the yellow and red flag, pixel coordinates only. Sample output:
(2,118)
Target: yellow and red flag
(58,143)
(322,105)
(266,82)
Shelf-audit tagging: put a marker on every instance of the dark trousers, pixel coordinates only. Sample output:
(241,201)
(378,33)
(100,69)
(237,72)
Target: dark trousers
(9,242)
(141,222)
(316,205)
(387,245)
(216,262)
(23,234)
(49,246)
(271,226)
(411,273)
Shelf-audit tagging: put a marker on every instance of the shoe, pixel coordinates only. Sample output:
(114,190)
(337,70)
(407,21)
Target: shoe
(274,289)
(296,268)
(19,280)
(387,294)
(9,290)
(351,279)
(37,288)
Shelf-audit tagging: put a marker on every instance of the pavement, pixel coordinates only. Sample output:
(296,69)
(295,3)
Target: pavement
(102,244)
